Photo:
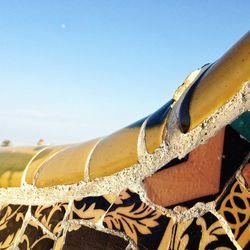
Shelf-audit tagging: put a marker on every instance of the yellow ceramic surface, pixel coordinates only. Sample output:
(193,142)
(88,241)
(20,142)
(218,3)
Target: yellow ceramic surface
(39,159)
(154,136)
(66,167)
(221,82)
(115,153)
(13,161)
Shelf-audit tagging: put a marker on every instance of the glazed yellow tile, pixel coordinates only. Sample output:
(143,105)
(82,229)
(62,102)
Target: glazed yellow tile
(66,167)
(221,82)
(39,159)
(13,161)
(156,127)
(114,153)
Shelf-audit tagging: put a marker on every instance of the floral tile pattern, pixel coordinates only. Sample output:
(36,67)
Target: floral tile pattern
(11,221)
(234,207)
(51,216)
(201,233)
(144,225)
(35,238)
(91,208)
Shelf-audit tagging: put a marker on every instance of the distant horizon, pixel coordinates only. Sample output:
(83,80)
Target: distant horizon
(73,71)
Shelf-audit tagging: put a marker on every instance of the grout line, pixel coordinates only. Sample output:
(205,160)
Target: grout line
(44,228)
(226,227)
(141,142)
(41,166)
(88,160)
(22,230)
(177,145)
(24,175)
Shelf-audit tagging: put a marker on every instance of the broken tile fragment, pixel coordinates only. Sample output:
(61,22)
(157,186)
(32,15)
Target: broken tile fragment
(35,239)
(51,216)
(11,221)
(144,225)
(202,174)
(200,233)
(91,208)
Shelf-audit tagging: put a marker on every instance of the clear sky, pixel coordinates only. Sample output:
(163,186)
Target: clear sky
(73,70)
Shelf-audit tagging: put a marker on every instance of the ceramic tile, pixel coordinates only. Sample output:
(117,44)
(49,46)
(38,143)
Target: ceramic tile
(200,233)
(86,238)
(242,125)
(156,126)
(246,174)
(213,86)
(66,167)
(42,157)
(234,207)
(50,216)
(11,220)
(34,238)
(116,152)
(13,161)
(202,174)
(91,208)
(197,177)
(145,226)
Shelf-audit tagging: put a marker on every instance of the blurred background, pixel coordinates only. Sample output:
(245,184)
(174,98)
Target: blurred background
(74,70)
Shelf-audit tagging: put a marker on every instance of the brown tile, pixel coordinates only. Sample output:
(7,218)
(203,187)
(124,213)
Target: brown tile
(86,238)
(11,221)
(246,174)
(198,176)
(234,206)
(51,216)
(142,224)
(200,233)
(91,208)
(34,238)
(66,167)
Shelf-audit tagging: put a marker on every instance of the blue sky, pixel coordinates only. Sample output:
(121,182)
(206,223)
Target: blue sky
(74,70)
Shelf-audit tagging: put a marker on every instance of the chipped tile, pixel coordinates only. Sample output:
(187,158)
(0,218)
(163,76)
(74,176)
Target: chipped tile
(156,126)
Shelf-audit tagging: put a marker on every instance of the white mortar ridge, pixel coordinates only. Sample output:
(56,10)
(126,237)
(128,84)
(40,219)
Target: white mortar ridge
(175,145)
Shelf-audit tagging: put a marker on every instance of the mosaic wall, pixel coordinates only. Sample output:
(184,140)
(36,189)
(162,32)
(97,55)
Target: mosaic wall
(177,179)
